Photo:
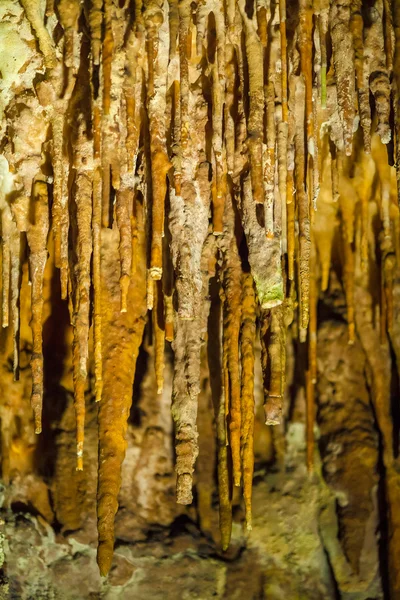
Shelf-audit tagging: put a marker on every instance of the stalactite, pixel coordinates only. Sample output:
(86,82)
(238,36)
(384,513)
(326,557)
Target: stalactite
(305,49)
(33,12)
(396,88)
(69,11)
(158,336)
(357,26)
(219,153)
(187,342)
(183,104)
(121,338)
(343,60)
(96,245)
(269,163)
(254,56)
(232,275)
(273,340)
(217,364)
(15,284)
(247,342)
(95,23)
(107,58)
(54,106)
(304,220)
(311,373)
(375,60)
(323,17)
(264,253)
(157,40)
(37,240)
(5,265)
(83,200)
(59,209)
(290,189)
(225,503)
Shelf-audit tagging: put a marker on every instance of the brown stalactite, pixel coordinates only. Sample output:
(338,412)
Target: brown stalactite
(378,77)
(33,13)
(37,240)
(254,56)
(273,340)
(396,87)
(157,81)
(15,284)
(303,205)
(232,277)
(158,336)
(5,271)
(96,243)
(343,59)
(82,279)
(95,23)
(357,26)
(121,337)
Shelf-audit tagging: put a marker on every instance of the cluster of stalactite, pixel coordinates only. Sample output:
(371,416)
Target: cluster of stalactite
(229,144)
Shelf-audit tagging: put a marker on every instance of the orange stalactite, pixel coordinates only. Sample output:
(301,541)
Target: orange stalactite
(37,240)
(221,414)
(247,342)
(158,336)
(96,241)
(303,207)
(96,244)
(81,286)
(160,166)
(290,223)
(5,270)
(232,315)
(312,329)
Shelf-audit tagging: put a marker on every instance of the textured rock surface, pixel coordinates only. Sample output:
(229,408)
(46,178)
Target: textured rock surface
(312,538)
(160,163)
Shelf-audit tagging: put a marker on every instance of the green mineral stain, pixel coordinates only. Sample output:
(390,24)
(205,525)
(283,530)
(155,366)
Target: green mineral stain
(269,295)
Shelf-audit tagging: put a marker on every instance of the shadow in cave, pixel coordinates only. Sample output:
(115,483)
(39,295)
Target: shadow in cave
(135,414)
(55,397)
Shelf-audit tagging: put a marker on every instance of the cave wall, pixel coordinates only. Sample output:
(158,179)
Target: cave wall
(210,221)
